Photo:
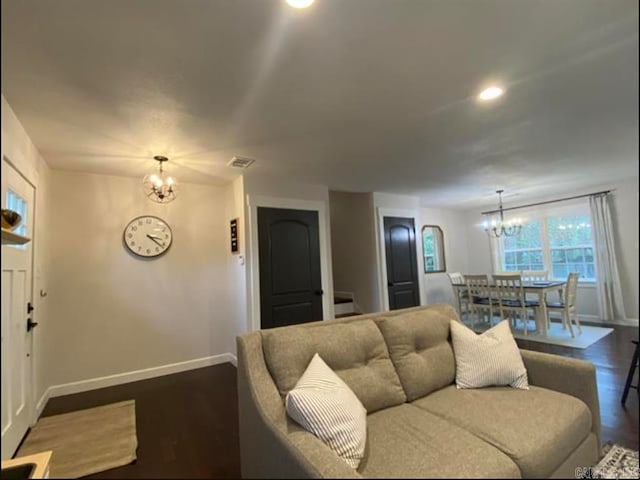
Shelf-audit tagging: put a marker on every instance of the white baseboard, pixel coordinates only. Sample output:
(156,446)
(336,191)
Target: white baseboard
(233,360)
(133,376)
(41,404)
(632,322)
(343,308)
(340,294)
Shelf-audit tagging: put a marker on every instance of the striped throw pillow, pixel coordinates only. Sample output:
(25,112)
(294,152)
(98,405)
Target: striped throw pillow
(489,359)
(325,406)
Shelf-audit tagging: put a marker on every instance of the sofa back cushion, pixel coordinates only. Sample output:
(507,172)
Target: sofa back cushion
(356,351)
(420,348)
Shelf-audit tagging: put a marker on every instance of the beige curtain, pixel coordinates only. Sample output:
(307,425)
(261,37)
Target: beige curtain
(610,300)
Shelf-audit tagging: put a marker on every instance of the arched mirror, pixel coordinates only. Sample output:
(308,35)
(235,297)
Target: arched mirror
(433,249)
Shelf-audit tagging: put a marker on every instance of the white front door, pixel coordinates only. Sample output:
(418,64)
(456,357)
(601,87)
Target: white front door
(18,195)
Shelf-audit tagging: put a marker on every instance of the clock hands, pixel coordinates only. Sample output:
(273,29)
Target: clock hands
(155,239)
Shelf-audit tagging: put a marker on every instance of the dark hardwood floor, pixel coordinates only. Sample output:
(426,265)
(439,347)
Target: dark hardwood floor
(187,423)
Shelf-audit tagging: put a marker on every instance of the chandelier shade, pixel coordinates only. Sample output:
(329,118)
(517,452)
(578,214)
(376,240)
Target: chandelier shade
(159,186)
(498,227)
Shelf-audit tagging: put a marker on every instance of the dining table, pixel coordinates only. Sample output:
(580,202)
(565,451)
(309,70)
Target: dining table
(538,288)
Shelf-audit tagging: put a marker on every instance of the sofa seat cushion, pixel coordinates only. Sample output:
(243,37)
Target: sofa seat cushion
(536,428)
(419,346)
(355,350)
(408,442)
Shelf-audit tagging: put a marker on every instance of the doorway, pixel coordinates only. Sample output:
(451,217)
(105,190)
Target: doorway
(402,267)
(289,265)
(18,195)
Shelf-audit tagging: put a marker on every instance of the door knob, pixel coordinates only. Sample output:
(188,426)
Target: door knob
(31,324)
(319,292)
(30,308)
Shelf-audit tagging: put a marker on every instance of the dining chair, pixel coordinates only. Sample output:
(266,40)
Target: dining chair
(567,304)
(530,276)
(535,275)
(504,272)
(456,278)
(512,299)
(479,296)
(462,297)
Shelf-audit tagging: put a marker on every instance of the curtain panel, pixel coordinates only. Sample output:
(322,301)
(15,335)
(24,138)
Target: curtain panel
(610,300)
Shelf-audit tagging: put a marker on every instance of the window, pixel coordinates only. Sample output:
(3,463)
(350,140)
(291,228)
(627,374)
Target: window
(560,244)
(571,246)
(16,203)
(433,249)
(429,253)
(524,252)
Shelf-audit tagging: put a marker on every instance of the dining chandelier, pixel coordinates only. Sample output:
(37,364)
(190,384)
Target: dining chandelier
(499,228)
(159,186)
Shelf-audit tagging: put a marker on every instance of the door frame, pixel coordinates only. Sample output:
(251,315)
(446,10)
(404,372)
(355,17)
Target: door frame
(253,279)
(382,254)
(33,401)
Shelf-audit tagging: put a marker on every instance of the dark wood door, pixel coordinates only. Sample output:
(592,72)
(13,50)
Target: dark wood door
(290,278)
(402,264)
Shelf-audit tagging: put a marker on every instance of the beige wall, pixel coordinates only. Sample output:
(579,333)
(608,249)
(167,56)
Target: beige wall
(454,228)
(236,263)
(355,263)
(18,148)
(389,204)
(112,312)
(261,189)
(353,248)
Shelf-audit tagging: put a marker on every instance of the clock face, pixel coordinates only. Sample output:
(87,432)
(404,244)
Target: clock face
(148,236)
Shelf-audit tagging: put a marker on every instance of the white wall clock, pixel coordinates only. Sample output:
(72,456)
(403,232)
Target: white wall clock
(148,236)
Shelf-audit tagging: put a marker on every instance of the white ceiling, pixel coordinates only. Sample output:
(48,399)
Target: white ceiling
(362,95)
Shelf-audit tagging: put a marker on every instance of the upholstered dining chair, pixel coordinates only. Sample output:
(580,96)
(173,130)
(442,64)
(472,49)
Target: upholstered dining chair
(512,300)
(479,295)
(462,297)
(567,304)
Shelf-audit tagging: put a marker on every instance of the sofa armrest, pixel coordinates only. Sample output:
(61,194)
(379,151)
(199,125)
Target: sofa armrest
(565,375)
(270,445)
(317,457)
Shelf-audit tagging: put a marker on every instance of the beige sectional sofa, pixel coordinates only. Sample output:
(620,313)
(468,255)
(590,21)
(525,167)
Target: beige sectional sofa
(402,368)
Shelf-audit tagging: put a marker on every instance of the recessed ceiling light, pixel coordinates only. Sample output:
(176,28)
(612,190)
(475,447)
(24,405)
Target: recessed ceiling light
(490,93)
(300,3)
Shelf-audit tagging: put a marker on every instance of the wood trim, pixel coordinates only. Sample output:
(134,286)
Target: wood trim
(39,408)
(41,460)
(382,212)
(10,238)
(255,201)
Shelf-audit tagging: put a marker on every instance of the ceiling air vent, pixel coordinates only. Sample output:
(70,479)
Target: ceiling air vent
(240,162)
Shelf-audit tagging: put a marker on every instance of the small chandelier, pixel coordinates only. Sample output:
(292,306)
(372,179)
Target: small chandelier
(499,228)
(158,186)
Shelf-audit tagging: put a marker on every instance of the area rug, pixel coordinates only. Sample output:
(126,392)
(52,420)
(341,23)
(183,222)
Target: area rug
(618,462)
(86,441)
(557,335)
